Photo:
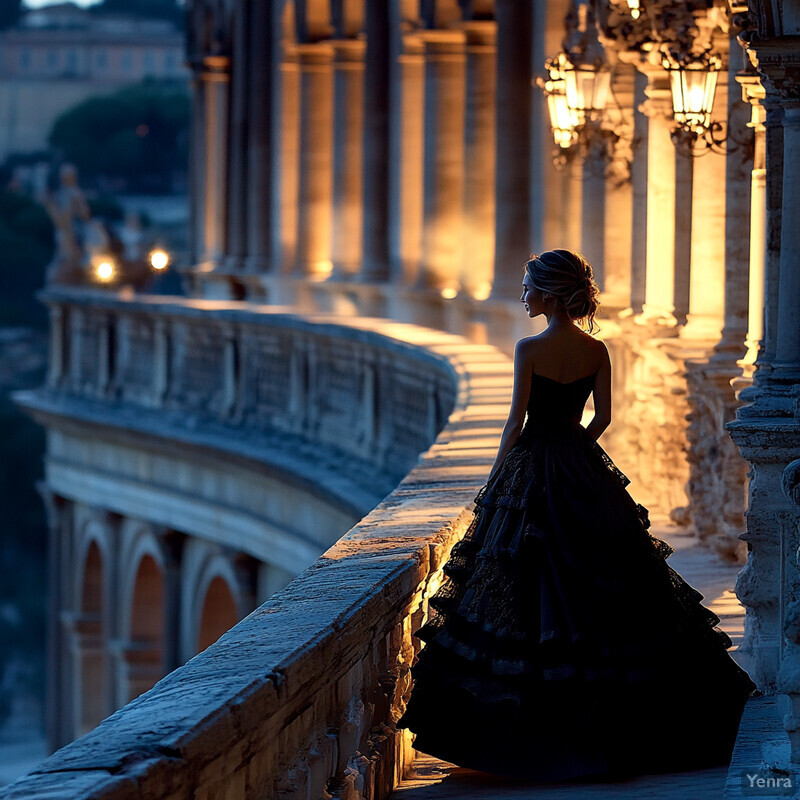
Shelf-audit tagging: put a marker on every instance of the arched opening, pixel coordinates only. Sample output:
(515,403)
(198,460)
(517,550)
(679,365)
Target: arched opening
(145,655)
(91,673)
(218,614)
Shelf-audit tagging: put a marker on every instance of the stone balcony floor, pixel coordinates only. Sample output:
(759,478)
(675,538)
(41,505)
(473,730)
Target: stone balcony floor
(440,780)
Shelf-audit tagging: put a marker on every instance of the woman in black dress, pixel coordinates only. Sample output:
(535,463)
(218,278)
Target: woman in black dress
(561,644)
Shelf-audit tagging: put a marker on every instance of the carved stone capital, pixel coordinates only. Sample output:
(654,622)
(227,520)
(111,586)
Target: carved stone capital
(779,67)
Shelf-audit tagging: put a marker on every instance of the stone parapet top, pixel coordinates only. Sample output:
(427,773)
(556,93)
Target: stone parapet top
(230,717)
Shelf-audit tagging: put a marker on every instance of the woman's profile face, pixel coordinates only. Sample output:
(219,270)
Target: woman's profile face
(531,298)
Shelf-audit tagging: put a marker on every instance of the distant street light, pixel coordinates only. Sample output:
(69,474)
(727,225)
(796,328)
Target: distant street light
(159,259)
(104,270)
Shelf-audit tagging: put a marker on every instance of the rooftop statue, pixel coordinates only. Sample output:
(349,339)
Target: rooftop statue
(70,214)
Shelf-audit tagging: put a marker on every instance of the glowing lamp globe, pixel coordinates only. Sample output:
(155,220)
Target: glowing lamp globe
(692,86)
(104,270)
(159,259)
(587,88)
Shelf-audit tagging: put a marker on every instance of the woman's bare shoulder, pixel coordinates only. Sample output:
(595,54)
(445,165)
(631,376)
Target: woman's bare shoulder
(528,345)
(600,352)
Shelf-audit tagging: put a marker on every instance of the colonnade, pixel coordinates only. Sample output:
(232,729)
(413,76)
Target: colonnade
(403,150)
(414,151)
(395,159)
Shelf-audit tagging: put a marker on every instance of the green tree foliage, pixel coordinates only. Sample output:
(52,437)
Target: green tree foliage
(9,13)
(26,247)
(138,136)
(150,9)
(23,588)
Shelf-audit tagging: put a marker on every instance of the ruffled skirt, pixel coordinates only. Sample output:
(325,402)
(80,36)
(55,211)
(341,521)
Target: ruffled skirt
(561,644)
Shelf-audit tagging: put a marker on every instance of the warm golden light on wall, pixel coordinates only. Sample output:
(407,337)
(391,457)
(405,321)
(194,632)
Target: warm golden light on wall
(449,293)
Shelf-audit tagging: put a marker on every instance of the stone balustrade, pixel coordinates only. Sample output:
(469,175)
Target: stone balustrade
(211,364)
(299,699)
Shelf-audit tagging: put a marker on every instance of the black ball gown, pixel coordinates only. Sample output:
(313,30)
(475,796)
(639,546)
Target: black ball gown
(561,644)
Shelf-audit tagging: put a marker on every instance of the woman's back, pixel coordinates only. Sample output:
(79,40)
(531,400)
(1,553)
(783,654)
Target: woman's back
(565,355)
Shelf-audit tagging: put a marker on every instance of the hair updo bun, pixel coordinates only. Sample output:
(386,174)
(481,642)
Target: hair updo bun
(569,278)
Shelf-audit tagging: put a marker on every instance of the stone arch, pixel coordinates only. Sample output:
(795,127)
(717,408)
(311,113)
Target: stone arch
(142,613)
(145,652)
(89,642)
(218,613)
(205,571)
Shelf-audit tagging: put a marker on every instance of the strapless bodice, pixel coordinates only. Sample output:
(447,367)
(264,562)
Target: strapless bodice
(554,403)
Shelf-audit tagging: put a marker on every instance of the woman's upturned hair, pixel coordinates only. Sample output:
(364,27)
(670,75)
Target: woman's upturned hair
(569,278)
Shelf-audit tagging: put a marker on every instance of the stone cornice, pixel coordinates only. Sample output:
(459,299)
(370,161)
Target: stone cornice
(779,66)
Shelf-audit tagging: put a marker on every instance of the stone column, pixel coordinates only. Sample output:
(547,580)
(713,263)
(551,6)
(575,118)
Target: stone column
(787,347)
(315,188)
(708,238)
(197,151)
(263,131)
(348,139)
(572,199)
(739,189)
(513,171)
(477,265)
(289,156)
(88,672)
(640,187)
(60,573)
(237,206)
(172,548)
(215,78)
(660,265)
(411,143)
(442,240)
(767,429)
(617,244)
(788,675)
(753,92)
(684,209)
(377,139)
(618,199)
(593,216)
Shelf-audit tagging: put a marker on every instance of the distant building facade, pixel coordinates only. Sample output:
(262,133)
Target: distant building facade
(59,55)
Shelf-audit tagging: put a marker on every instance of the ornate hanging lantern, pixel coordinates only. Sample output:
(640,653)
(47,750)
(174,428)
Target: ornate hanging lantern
(587,87)
(693,83)
(564,121)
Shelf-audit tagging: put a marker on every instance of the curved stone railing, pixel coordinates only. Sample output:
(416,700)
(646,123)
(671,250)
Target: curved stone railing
(300,698)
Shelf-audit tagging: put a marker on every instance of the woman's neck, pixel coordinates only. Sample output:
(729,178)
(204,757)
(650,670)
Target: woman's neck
(558,318)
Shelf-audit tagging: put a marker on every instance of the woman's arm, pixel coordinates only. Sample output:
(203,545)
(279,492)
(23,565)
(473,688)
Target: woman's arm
(523,367)
(602,398)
